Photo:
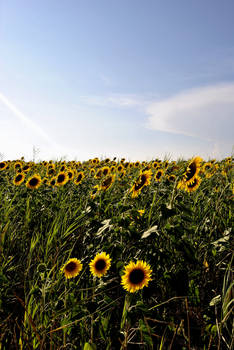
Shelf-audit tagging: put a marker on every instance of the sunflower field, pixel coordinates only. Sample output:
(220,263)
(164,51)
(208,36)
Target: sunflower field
(110,254)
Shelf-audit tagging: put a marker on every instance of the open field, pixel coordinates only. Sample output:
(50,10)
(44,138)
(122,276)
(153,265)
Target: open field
(165,280)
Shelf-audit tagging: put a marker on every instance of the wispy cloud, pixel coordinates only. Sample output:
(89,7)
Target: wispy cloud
(205,112)
(25,120)
(116,100)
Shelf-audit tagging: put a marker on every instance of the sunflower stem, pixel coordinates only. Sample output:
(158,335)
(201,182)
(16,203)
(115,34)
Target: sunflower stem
(65,307)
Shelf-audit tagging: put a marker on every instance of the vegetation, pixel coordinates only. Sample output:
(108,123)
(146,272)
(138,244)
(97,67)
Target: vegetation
(109,254)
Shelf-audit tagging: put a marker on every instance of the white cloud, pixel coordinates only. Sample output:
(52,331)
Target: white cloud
(205,112)
(115,100)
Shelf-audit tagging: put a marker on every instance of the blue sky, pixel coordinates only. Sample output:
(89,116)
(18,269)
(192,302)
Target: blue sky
(135,79)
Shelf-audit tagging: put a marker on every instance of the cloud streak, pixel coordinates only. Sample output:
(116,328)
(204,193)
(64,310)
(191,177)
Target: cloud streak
(205,113)
(25,120)
(116,100)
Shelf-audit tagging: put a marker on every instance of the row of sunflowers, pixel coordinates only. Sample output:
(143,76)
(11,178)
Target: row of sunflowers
(58,174)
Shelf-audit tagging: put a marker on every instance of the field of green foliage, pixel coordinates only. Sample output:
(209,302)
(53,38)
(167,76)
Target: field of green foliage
(109,254)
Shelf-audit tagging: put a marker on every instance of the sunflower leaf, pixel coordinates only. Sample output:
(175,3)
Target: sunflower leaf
(151,230)
(106,225)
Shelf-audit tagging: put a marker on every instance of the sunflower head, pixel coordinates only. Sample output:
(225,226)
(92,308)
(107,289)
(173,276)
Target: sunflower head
(3,165)
(34,182)
(26,168)
(100,264)
(142,181)
(72,268)
(17,165)
(105,170)
(106,184)
(79,178)
(136,276)
(159,174)
(94,191)
(171,178)
(192,169)
(62,178)
(18,179)
(52,182)
(70,174)
(98,174)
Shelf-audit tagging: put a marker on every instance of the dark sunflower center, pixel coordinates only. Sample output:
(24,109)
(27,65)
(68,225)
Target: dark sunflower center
(105,172)
(191,171)
(141,182)
(136,276)
(33,182)
(71,266)
(100,265)
(159,174)
(18,178)
(79,178)
(61,178)
(2,165)
(70,174)
(52,182)
(107,182)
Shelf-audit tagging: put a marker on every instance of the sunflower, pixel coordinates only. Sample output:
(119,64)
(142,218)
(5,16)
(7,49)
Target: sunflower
(52,181)
(192,186)
(17,165)
(79,178)
(3,165)
(159,174)
(92,172)
(95,161)
(105,170)
(45,181)
(142,181)
(120,168)
(94,191)
(171,178)
(207,166)
(18,179)
(34,182)
(100,264)
(107,182)
(26,168)
(192,169)
(155,165)
(62,178)
(51,171)
(72,268)
(70,174)
(136,276)
(98,174)
(63,168)
(137,164)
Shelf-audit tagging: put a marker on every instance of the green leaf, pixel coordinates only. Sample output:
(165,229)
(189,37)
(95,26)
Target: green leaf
(216,300)
(89,346)
(151,230)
